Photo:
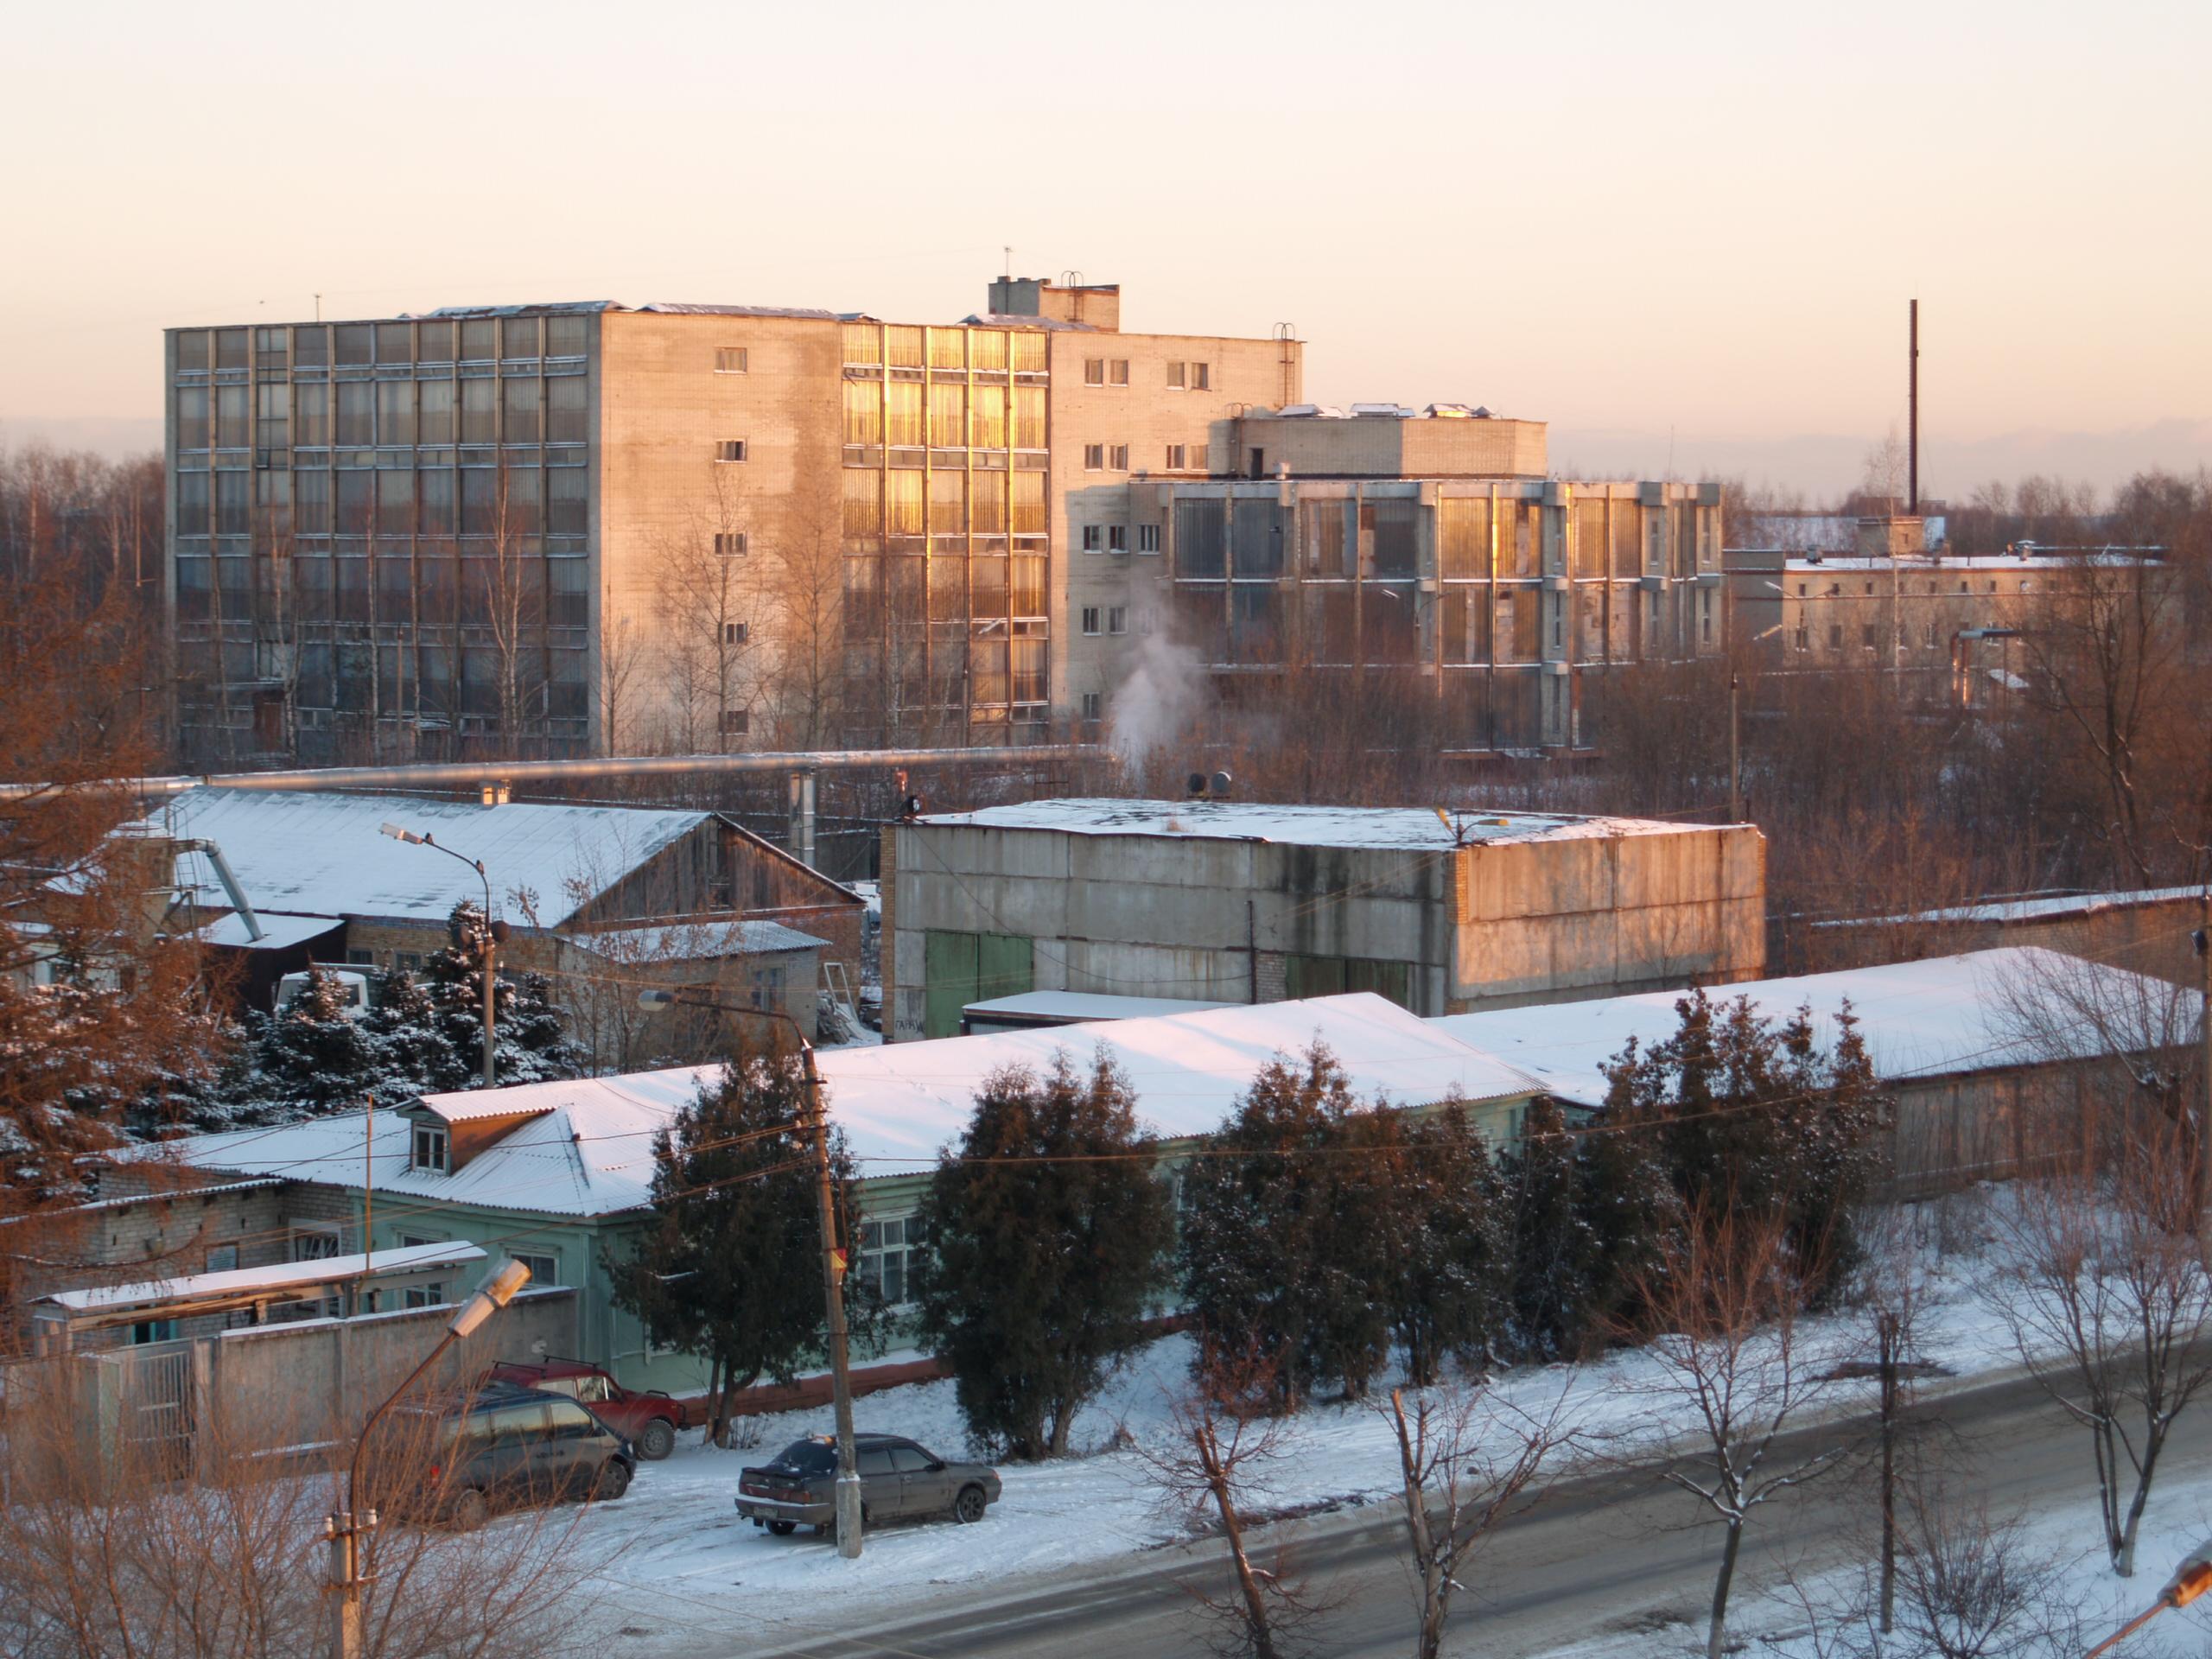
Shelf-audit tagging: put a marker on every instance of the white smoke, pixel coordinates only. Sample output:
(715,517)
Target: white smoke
(1159,702)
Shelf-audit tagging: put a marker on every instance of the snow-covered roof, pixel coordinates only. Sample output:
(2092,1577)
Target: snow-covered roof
(278,933)
(1070,1007)
(1924,1019)
(2053,908)
(589,1149)
(324,852)
(695,941)
(284,1275)
(165,1195)
(1412,829)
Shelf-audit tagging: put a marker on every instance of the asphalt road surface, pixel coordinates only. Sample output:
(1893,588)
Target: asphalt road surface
(1618,1551)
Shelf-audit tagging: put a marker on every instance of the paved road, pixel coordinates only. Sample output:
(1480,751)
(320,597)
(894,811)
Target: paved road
(1618,1551)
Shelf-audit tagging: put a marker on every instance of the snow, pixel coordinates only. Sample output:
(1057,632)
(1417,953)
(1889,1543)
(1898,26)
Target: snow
(278,932)
(1397,828)
(1930,1018)
(164,1196)
(695,941)
(285,1275)
(1069,1007)
(588,1148)
(692,1566)
(324,852)
(2031,910)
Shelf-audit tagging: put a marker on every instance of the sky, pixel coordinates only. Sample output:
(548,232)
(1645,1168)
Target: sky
(1685,235)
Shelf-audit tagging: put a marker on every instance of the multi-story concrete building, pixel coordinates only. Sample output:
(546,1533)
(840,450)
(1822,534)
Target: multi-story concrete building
(1387,541)
(577,527)
(1944,625)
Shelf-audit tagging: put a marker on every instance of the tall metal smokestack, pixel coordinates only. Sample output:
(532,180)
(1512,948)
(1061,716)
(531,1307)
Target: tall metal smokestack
(1912,414)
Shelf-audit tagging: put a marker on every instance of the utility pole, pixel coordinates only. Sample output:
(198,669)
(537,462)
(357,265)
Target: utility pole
(487,940)
(833,1291)
(833,1272)
(1735,758)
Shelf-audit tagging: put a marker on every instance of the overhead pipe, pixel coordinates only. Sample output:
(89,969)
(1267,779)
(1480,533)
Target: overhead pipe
(474,775)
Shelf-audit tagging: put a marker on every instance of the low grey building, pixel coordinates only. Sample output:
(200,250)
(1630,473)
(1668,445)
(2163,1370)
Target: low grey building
(1234,902)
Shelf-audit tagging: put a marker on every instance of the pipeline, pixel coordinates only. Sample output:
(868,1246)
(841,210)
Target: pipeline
(470,774)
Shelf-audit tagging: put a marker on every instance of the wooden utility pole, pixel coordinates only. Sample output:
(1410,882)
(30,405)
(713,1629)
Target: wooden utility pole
(2203,1167)
(833,1290)
(1735,758)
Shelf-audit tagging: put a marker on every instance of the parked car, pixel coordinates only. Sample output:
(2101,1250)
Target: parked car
(899,1481)
(460,1461)
(650,1419)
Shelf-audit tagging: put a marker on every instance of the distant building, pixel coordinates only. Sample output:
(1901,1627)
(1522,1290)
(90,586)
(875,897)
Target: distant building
(1229,902)
(1898,602)
(1389,541)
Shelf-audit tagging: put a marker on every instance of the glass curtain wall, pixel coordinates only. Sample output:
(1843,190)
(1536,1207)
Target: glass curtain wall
(947,538)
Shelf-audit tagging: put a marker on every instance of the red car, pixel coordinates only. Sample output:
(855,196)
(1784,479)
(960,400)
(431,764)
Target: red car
(648,1420)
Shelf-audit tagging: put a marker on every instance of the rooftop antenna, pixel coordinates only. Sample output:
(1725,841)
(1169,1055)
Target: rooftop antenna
(1008,251)
(1912,408)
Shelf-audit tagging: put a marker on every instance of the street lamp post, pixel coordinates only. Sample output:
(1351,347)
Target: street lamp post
(833,1288)
(488,942)
(345,1529)
(2191,1579)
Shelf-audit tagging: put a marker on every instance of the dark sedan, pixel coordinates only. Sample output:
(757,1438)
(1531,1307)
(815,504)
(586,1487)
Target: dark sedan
(899,1481)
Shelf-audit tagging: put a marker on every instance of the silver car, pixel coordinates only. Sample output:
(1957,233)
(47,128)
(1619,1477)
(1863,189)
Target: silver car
(899,1481)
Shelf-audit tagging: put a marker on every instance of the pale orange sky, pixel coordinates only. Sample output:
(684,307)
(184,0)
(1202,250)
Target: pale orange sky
(1627,220)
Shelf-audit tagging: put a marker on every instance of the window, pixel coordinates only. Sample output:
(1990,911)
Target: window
(1866,635)
(1147,538)
(730,543)
(730,359)
(1117,458)
(1094,457)
(1117,619)
(363,959)
(1094,371)
(1117,538)
(316,1240)
(1177,376)
(1201,377)
(1175,457)
(147,1330)
(1801,590)
(544,1269)
(1835,636)
(1090,543)
(736,723)
(1090,618)
(736,633)
(730,450)
(1117,372)
(429,1148)
(886,1247)
(767,991)
(1931,636)
(1090,705)
(1201,457)
(222,1258)
(1804,638)
(424,1296)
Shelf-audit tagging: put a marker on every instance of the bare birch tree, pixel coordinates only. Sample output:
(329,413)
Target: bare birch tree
(1720,1322)
(2110,1306)
(1465,1459)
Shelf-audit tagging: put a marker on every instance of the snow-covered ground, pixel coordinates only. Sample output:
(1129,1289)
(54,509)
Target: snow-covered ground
(678,1535)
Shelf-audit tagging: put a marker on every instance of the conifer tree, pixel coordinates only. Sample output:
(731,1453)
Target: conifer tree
(1555,1262)
(1282,1255)
(1048,1229)
(314,1053)
(1446,1237)
(730,1266)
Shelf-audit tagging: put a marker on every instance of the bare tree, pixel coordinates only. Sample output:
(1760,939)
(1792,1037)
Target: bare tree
(2110,1306)
(708,588)
(805,577)
(1972,1586)
(512,576)
(622,661)
(1719,1319)
(1465,1460)
(1223,1436)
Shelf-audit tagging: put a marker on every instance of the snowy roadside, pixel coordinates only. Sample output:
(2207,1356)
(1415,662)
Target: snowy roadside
(704,1569)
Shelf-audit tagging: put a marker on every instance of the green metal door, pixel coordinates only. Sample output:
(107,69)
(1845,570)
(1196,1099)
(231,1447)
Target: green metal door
(958,968)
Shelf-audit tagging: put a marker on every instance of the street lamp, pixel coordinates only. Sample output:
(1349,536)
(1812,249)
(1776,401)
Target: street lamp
(494,936)
(345,1528)
(833,1288)
(2191,1579)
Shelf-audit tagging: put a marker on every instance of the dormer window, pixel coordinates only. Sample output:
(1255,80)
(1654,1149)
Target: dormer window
(430,1148)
